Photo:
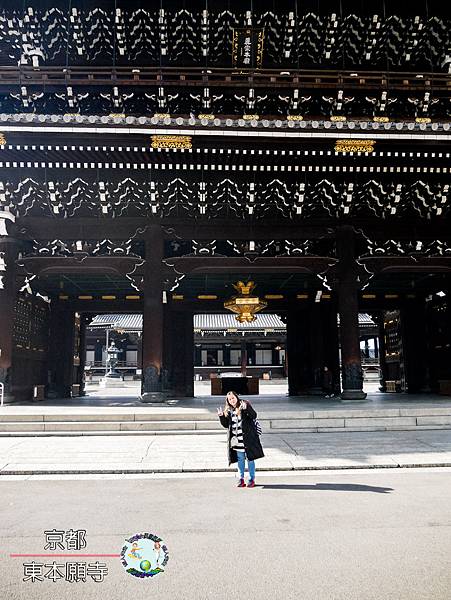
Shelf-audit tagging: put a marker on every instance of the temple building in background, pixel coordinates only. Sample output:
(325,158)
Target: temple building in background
(221,345)
(154,157)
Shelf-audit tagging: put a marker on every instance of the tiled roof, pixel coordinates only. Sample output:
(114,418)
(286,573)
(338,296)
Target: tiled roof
(226,321)
(365,319)
(202,321)
(125,322)
(209,322)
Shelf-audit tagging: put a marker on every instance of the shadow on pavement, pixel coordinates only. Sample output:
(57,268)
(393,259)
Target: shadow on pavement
(341,487)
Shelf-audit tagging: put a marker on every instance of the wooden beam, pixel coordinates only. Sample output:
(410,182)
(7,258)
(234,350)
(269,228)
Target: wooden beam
(311,265)
(407,264)
(59,77)
(110,265)
(126,228)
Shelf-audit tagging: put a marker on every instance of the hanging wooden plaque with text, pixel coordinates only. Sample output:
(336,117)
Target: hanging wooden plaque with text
(247,48)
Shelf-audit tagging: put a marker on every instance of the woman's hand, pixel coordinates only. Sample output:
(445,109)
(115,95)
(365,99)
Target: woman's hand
(243,405)
(220,412)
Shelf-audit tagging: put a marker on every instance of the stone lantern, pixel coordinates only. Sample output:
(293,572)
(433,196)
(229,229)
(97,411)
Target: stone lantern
(112,378)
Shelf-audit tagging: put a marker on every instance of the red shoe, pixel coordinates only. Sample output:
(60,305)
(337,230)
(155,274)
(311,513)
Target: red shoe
(241,484)
(251,483)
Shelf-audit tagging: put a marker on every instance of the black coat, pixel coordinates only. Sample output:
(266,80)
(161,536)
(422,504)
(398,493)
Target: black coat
(251,438)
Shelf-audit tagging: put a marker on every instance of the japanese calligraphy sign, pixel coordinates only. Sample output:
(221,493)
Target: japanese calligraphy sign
(144,555)
(73,570)
(247,48)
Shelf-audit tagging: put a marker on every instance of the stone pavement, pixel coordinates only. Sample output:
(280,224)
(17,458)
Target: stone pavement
(204,453)
(274,402)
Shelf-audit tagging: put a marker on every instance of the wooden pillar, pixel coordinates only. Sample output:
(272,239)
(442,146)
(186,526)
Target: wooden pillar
(139,353)
(292,354)
(98,348)
(350,344)
(348,306)
(447,340)
(382,358)
(275,354)
(152,345)
(168,346)
(84,320)
(179,353)
(8,297)
(61,350)
(316,349)
(376,347)
(413,319)
(226,355)
(251,353)
(297,351)
(331,343)
(243,357)
(188,359)
(198,356)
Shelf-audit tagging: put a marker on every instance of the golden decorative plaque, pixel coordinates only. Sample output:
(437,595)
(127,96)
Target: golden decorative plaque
(352,145)
(180,142)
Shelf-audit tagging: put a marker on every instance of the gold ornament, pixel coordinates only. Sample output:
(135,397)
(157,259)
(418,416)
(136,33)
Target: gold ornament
(245,304)
(346,146)
(180,142)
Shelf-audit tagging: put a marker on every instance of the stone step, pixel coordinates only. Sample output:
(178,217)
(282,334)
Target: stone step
(79,433)
(61,426)
(101,417)
(279,419)
(112,426)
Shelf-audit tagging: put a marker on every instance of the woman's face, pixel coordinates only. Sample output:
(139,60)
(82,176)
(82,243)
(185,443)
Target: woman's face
(232,399)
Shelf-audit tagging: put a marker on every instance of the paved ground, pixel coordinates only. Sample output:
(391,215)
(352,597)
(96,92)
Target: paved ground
(267,402)
(201,388)
(208,452)
(317,536)
(129,394)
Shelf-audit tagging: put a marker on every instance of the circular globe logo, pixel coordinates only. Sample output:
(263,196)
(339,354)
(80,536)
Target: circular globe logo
(144,555)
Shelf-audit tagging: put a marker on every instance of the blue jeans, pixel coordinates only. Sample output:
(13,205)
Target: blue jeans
(241,465)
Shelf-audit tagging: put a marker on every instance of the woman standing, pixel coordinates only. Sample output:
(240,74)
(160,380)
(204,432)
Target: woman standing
(243,441)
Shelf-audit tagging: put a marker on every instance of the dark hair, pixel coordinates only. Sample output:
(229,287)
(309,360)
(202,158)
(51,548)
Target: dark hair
(236,396)
(228,406)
